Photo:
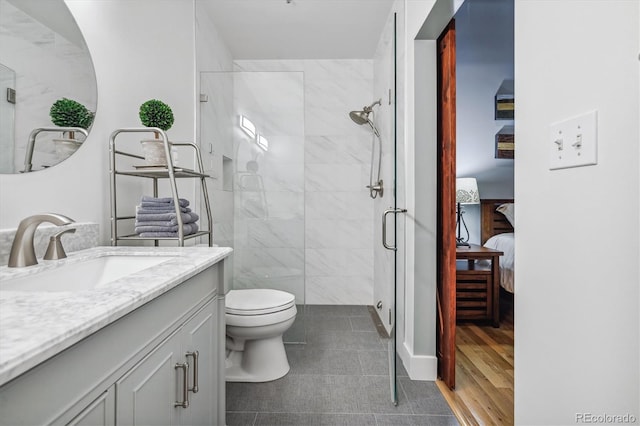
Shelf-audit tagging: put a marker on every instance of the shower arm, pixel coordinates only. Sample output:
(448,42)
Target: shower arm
(370,107)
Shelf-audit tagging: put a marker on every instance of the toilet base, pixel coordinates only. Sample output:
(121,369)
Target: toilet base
(262,360)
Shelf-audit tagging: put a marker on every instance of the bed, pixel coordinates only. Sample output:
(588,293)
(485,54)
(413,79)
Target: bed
(498,233)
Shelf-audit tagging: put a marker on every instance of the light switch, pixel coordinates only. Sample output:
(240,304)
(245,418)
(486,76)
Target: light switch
(573,142)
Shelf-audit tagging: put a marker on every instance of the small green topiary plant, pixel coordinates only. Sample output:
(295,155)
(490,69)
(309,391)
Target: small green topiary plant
(155,113)
(69,113)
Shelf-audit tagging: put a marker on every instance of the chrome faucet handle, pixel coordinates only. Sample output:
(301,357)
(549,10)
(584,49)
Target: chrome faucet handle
(55,250)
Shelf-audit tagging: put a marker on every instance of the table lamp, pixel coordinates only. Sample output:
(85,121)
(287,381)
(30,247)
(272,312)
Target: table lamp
(466,193)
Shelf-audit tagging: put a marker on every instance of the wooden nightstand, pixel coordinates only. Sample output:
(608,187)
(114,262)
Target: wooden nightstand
(478,284)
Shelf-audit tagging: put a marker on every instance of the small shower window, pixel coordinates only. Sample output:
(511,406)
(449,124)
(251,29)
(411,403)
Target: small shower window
(263,142)
(247,126)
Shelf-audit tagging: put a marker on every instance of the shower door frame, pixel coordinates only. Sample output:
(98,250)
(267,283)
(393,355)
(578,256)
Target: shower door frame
(395,210)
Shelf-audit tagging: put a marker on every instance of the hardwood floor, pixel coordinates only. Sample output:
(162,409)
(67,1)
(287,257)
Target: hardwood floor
(484,372)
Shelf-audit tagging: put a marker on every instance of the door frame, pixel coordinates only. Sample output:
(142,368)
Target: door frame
(446,181)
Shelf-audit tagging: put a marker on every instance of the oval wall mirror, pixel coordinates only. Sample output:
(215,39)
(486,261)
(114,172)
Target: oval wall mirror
(44,61)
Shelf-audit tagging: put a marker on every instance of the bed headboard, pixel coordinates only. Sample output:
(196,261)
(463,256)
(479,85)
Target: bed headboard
(493,222)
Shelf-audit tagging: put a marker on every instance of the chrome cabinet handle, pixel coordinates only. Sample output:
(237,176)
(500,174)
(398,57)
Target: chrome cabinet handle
(185,385)
(195,355)
(384,227)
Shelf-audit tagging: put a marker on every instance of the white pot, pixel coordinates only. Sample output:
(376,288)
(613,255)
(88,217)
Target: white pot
(154,154)
(66,147)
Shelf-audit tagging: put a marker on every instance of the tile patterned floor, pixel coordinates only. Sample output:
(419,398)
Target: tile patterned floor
(339,377)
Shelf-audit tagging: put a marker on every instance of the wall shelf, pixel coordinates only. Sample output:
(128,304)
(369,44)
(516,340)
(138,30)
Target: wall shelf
(155,173)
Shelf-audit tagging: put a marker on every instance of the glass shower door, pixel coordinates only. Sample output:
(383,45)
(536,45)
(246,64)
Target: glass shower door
(392,217)
(253,127)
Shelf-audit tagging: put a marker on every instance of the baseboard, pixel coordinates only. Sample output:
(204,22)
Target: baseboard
(419,367)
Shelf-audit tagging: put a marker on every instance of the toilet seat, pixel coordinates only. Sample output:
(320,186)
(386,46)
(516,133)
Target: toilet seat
(258,301)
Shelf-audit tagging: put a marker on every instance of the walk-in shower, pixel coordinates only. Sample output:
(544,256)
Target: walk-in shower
(362,117)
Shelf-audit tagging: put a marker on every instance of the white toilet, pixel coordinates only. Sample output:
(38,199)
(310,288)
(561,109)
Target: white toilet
(256,320)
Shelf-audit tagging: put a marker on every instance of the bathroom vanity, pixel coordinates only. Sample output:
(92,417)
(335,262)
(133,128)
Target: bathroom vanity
(146,347)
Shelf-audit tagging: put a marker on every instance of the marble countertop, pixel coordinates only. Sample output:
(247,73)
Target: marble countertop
(36,325)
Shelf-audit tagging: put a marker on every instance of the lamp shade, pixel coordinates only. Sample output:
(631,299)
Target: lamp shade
(467,191)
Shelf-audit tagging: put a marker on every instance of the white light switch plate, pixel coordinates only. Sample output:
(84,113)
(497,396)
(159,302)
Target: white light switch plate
(573,142)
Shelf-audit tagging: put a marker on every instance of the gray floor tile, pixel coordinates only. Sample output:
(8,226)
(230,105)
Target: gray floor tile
(415,420)
(425,397)
(376,363)
(328,324)
(337,310)
(304,359)
(313,419)
(362,323)
(296,333)
(374,396)
(240,419)
(292,393)
(340,376)
(338,339)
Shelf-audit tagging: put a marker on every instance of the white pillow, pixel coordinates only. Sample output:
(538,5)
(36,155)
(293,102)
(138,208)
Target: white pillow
(508,210)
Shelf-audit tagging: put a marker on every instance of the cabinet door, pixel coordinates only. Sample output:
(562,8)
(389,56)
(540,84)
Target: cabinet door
(147,393)
(100,412)
(201,334)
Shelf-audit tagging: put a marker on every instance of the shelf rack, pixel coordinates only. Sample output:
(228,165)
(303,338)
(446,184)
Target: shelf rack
(170,172)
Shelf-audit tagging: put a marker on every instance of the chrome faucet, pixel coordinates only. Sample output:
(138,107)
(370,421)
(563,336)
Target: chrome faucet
(22,250)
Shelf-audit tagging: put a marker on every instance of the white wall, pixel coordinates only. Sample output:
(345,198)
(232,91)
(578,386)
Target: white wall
(484,59)
(136,57)
(576,304)
(417,332)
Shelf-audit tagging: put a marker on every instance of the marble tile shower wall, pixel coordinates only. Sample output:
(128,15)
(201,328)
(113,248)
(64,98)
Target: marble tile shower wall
(335,223)
(269,183)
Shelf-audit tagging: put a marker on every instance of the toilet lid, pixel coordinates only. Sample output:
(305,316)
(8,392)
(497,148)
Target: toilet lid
(257,301)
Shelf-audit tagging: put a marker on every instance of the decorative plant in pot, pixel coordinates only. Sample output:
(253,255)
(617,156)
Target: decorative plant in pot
(155,113)
(69,113)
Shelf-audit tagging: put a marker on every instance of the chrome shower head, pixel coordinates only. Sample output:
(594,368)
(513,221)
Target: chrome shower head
(362,117)
(359,117)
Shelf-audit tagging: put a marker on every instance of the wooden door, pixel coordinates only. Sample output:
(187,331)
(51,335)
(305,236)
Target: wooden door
(446,295)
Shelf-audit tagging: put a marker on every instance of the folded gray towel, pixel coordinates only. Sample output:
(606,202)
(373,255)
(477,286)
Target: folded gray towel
(149,201)
(154,223)
(167,217)
(165,209)
(188,229)
(151,204)
(193,230)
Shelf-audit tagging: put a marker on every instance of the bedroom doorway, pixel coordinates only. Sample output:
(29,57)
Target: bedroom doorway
(475,359)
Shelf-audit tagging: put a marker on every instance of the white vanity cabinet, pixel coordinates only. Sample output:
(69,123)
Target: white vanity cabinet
(133,370)
(175,384)
(100,412)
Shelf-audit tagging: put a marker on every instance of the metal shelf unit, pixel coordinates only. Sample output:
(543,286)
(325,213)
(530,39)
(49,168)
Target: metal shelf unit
(170,172)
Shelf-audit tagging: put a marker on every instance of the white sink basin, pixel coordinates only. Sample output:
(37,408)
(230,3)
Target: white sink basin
(86,275)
